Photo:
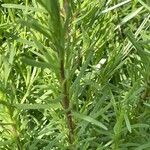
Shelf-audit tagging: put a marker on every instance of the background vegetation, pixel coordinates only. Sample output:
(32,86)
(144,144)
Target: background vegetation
(74,74)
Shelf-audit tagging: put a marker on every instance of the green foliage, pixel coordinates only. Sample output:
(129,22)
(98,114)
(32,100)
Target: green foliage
(74,74)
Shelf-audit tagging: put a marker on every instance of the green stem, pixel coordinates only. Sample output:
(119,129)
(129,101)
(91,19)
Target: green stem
(18,142)
(66,103)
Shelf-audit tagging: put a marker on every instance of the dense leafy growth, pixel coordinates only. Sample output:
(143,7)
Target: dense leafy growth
(74,74)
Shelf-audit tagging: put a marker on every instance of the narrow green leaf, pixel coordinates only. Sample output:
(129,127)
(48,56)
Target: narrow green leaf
(147,104)
(143,146)
(119,124)
(116,6)
(130,16)
(51,6)
(22,7)
(49,55)
(145,5)
(34,63)
(142,53)
(32,106)
(83,68)
(34,24)
(12,54)
(7,142)
(90,119)
(127,122)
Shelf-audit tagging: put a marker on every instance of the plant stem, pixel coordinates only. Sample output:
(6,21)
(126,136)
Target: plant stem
(66,103)
(18,142)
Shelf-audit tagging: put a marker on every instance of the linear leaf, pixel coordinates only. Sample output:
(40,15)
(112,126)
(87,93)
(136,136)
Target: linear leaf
(145,146)
(142,53)
(91,120)
(115,6)
(32,106)
(34,63)
(22,7)
(147,104)
(130,16)
(83,68)
(34,24)
(127,122)
(145,5)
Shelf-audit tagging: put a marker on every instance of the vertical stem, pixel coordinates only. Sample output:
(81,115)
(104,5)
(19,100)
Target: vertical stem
(66,103)
(18,142)
(17,138)
(63,81)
